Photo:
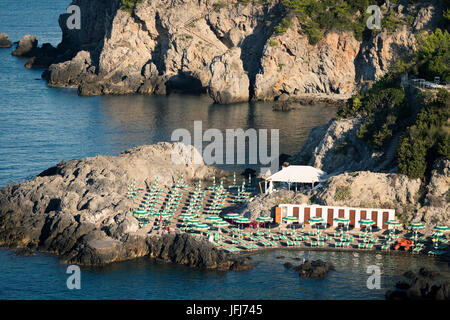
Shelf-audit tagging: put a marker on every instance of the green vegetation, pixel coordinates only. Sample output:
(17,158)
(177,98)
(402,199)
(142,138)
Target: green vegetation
(342,193)
(433,57)
(273,43)
(317,17)
(429,137)
(219,5)
(129,5)
(425,132)
(283,26)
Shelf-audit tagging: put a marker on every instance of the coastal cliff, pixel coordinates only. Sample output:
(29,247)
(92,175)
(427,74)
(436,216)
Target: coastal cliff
(233,50)
(79,211)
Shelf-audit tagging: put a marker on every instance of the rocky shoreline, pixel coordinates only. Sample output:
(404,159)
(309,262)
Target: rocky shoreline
(421,285)
(78,210)
(232,52)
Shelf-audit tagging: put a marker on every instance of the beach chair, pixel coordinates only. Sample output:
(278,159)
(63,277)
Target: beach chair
(369,246)
(345,244)
(265,243)
(385,247)
(313,244)
(321,243)
(273,243)
(297,243)
(417,250)
(289,243)
(361,245)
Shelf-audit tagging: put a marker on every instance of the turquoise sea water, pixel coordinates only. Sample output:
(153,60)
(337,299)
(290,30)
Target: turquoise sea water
(40,126)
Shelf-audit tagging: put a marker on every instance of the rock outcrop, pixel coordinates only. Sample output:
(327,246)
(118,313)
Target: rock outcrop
(372,190)
(436,205)
(229,82)
(230,49)
(316,269)
(335,148)
(425,285)
(4,42)
(39,57)
(26,46)
(79,210)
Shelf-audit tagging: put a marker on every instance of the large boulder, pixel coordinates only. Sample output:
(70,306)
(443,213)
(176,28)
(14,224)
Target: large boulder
(316,269)
(26,47)
(229,82)
(4,42)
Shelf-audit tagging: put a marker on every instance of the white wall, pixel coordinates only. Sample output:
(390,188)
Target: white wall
(379,223)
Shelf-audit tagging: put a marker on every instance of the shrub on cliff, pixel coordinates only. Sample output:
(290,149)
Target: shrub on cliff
(428,139)
(433,55)
(129,5)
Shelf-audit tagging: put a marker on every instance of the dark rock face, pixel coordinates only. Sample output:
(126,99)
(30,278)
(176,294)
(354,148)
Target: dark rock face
(4,42)
(288,265)
(403,285)
(26,47)
(187,250)
(426,285)
(316,269)
(25,252)
(40,57)
(424,272)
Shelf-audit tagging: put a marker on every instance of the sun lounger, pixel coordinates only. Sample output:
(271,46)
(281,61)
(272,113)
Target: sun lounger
(297,243)
(289,243)
(321,243)
(369,246)
(361,245)
(345,244)
(313,244)
(417,249)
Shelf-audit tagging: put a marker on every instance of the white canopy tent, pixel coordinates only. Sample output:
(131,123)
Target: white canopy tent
(300,174)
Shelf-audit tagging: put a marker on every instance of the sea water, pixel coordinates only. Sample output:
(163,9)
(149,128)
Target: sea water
(40,126)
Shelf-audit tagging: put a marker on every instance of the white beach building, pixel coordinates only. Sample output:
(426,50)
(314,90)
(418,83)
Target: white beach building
(295,174)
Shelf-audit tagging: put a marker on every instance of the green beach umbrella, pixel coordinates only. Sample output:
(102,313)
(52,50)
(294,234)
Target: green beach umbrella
(186,215)
(315,220)
(221,223)
(264,219)
(191,220)
(232,215)
(366,222)
(242,220)
(441,227)
(416,225)
(201,226)
(213,218)
(341,219)
(290,218)
(393,223)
